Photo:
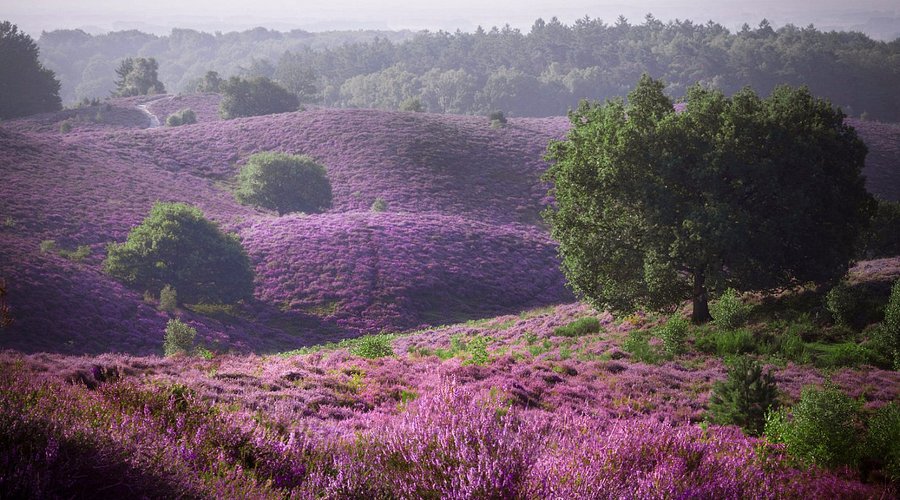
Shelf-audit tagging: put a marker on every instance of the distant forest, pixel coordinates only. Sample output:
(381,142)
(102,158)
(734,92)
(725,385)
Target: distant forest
(540,73)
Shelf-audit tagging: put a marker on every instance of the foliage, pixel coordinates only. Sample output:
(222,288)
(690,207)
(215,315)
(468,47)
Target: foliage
(181,117)
(579,327)
(729,311)
(655,205)
(254,97)
(65,126)
(744,398)
(48,246)
(674,334)
(823,428)
(638,344)
(27,86)
(168,299)
(138,76)
(379,205)
(179,338)
(738,341)
(177,246)
(373,346)
(497,118)
(412,104)
(285,183)
(889,337)
(211,82)
(842,301)
(882,239)
(883,439)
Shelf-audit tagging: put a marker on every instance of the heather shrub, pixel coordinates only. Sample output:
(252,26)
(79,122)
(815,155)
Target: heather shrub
(729,311)
(65,126)
(177,246)
(674,334)
(254,97)
(579,327)
(168,299)
(744,398)
(182,117)
(379,205)
(179,338)
(883,440)
(823,428)
(373,346)
(284,183)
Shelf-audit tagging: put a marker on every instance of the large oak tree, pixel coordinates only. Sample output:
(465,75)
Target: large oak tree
(657,203)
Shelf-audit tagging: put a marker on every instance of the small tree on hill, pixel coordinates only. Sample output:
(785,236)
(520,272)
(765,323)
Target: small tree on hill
(26,87)
(285,183)
(254,97)
(138,76)
(211,82)
(654,206)
(177,246)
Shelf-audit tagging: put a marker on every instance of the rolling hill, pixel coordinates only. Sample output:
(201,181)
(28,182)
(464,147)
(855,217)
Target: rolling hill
(461,237)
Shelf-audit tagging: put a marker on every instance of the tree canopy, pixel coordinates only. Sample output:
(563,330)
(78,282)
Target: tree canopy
(254,97)
(26,86)
(285,183)
(176,245)
(654,205)
(138,76)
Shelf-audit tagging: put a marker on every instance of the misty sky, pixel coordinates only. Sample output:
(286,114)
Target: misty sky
(878,17)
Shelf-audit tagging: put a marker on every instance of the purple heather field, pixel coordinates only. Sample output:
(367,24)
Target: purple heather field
(480,394)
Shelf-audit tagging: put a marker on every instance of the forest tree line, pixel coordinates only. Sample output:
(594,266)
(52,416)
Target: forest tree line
(545,71)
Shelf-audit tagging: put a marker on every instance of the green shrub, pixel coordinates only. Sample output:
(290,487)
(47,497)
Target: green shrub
(823,428)
(179,338)
(80,253)
(497,118)
(373,346)
(638,344)
(791,347)
(705,339)
(732,342)
(168,299)
(177,246)
(182,117)
(882,239)
(412,104)
(254,97)
(674,334)
(744,397)
(48,246)
(477,349)
(579,327)
(889,338)
(842,301)
(883,439)
(729,311)
(285,183)
(65,126)
(379,205)
(847,354)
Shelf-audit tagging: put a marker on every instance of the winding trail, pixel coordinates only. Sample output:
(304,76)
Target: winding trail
(154,121)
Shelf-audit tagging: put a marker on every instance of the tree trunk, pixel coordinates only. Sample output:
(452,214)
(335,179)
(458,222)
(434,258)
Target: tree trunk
(700,314)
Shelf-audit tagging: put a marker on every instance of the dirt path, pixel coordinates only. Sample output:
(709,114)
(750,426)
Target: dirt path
(154,121)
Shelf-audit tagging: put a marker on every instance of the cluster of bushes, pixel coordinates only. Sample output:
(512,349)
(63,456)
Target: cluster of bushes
(181,117)
(254,97)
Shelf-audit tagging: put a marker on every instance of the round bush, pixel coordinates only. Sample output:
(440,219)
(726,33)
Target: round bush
(255,97)
(177,246)
(729,311)
(284,183)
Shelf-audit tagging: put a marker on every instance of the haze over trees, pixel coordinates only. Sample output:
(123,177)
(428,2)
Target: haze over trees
(138,76)
(542,72)
(26,86)
(254,96)
(177,246)
(654,206)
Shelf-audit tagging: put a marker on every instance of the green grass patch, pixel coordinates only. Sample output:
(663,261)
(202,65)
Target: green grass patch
(579,327)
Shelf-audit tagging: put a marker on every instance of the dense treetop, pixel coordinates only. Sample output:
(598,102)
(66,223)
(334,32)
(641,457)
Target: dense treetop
(543,72)
(656,205)
(26,87)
